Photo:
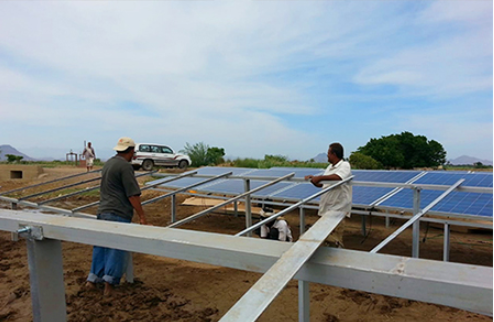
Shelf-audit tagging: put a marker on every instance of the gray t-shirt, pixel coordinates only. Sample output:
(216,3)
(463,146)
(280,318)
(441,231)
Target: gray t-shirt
(117,185)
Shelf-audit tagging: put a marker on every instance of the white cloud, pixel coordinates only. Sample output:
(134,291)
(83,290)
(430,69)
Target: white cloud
(233,74)
(441,66)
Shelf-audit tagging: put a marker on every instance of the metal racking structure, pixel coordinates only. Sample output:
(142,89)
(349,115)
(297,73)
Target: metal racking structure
(463,286)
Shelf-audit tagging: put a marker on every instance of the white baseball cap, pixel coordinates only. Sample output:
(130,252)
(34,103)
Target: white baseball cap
(124,143)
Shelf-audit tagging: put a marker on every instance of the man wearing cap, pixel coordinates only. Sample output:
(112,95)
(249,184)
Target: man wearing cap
(277,229)
(119,196)
(340,198)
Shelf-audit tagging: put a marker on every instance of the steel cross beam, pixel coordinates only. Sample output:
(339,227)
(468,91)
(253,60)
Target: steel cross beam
(59,188)
(185,188)
(416,217)
(206,211)
(87,190)
(462,286)
(47,182)
(298,204)
(144,188)
(258,298)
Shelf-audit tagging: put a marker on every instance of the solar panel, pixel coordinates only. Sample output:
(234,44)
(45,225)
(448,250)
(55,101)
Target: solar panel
(384,176)
(479,204)
(236,187)
(298,191)
(444,178)
(364,196)
(299,172)
(220,170)
(468,203)
(180,183)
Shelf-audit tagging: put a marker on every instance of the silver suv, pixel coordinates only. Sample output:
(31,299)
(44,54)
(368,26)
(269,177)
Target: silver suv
(147,155)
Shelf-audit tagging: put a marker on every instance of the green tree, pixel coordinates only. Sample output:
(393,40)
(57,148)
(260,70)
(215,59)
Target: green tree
(11,158)
(478,165)
(405,150)
(201,154)
(197,153)
(361,161)
(215,155)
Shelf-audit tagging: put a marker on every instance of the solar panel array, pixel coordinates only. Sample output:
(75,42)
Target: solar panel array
(478,204)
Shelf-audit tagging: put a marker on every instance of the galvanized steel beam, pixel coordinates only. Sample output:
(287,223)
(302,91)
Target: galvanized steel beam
(292,207)
(144,188)
(206,211)
(185,188)
(47,182)
(416,217)
(467,287)
(264,291)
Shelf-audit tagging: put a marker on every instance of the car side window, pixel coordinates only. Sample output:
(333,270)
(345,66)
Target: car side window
(144,148)
(155,149)
(166,149)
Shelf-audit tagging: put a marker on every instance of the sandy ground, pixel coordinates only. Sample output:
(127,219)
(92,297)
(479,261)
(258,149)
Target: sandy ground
(175,290)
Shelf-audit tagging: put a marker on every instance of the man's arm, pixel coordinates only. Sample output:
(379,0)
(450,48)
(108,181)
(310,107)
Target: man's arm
(136,203)
(316,179)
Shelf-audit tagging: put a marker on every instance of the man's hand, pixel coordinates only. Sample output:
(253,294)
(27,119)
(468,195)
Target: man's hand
(308,177)
(143,221)
(315,181)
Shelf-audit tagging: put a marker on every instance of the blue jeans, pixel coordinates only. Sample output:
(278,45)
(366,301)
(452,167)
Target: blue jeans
(108,264)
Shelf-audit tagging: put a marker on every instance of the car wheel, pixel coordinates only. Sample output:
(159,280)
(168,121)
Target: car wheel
(147,165)
(183,164)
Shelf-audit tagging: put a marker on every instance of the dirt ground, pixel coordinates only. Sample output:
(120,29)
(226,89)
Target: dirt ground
(175,290)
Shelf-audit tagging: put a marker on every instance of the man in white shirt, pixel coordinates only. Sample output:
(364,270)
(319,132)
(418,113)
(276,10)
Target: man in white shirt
(339,198)
(89,155)
(277,229)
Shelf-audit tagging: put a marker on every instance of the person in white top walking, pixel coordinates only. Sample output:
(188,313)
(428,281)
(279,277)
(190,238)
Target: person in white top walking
(277,229)
(89,155)
(339,198)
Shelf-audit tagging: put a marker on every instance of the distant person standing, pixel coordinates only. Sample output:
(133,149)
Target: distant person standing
(120,195)
(89,155)
(340,198)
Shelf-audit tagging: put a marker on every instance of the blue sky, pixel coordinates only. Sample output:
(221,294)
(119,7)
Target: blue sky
(253,77)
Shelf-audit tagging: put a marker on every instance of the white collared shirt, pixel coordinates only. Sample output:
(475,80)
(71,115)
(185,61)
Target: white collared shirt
(340,198)
(285,234)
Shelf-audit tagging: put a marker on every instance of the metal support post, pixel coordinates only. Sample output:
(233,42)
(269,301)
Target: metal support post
(387,221)
(303,286)
(173,210)
(235,208)
(302,221)
(248,213)
(46,277)
(416,225)
(303,301)
(446,243)
(206,211)
(417,216)
(129,269)
(13,206)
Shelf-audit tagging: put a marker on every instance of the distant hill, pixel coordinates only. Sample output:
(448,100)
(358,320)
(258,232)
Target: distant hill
(321,158)
(8,149)
(465,159)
